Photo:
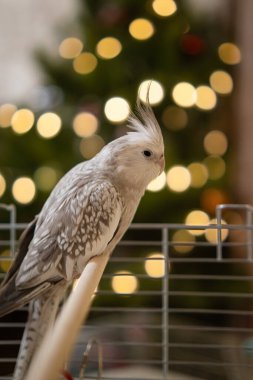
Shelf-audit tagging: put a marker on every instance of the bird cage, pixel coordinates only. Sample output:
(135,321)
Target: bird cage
(175,302)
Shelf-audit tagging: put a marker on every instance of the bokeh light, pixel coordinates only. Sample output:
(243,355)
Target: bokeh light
(197,218)
(23,190)
(85,63)
(2,185)
(178,178)
(211,197)
(199,174)
(6,113)
(70,47)
(206,98)
(155,265)
(211,235)
(184,94)
(215,142)
(158,183)
(164,8)
(174,118)
(124,282)
(108,48)
(22,121)
(85,124)
(49,125)
(151,91)
(183,241)
(141,29)
(117,109)
(216,167)
(229,53)
(90,146)
(46,178)
(221,82)
(6,260)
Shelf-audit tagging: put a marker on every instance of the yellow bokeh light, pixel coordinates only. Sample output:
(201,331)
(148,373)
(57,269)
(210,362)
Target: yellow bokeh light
(90,146)
(197,218)
(184,241)
(164,8)
(2,185)
(229,53)
(216,167)
(108,48)
(23,190)
(215,142)
(184,94)
(174,118)
(117,109)
(70,48)
(49,125)
(141,29)
(151,91)
(206,98)
(178,178)
(155,265)
(22,120)
(85,124)
(6,113)
(6,260)
(212,234)
(199,174)
(46,177)
(124,282)
(158,183)
(221,82)
(85,63)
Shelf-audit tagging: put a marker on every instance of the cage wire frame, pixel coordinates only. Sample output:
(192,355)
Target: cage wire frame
(190,339)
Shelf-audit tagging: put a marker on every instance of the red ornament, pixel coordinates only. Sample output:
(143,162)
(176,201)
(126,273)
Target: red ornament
(192,44)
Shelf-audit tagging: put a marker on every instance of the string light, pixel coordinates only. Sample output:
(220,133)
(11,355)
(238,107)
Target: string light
(184,94)
(49,125)
(221,82)
(155,265)
(141,29)
(90,146)
(199,174)
(23,190)
(174,118)
(215,142)
(206,98)
(151,91)
(85,124)
(46,177)
(124,282)
(108,48)
(70,47)
(197,218)
(184,237)
(158,183)
(85,63)
(216,167)
(229,53)
(22,121)
(6,113)
(117,109)
(178,178)
(164,8)
(2,185)
(211,234)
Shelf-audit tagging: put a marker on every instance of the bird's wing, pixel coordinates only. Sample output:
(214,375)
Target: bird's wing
(71,234)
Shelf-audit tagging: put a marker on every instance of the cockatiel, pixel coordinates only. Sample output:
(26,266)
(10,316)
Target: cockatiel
(85,215)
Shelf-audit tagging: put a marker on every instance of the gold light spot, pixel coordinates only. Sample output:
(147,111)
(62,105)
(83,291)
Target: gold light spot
(70,48)
(197,218)
(85,63)
(6,113)
(90,146)
(164,8)
(23,190)
(141,29)
(206,98)
(221,82)
(178,178)
(184,94)
(212,234)
(46,177)
(2,185)
(174,118)
(158,183)
(199,174)
(5,260)
(117,110)
(216,167)
(185,238)
(229,53)
(108,47)
(124,282)
(22,121)
(155,265)
(151,91)
(49,125)
(85,124)
(215,142)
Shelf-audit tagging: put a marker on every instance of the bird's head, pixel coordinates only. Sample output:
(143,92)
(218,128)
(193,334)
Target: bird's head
(139,155)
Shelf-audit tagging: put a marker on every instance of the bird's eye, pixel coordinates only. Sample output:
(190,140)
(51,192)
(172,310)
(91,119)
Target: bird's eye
(147,153)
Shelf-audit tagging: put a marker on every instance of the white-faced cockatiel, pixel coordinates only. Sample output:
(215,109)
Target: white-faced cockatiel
(85,215)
